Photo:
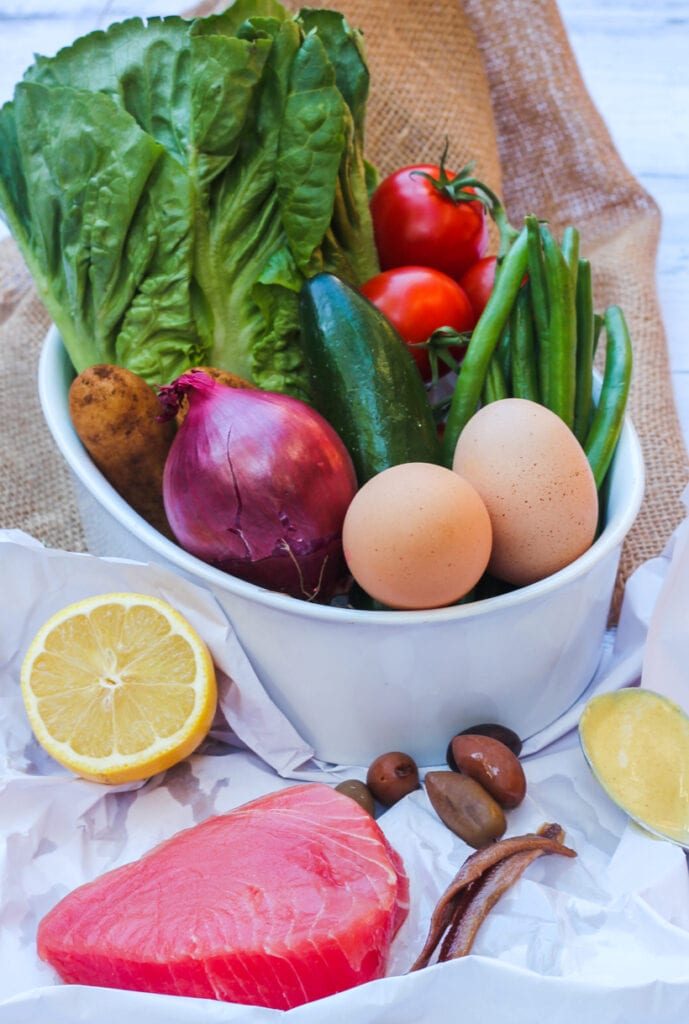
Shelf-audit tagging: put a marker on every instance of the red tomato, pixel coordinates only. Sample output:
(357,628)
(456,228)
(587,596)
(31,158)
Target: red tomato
(416,224)
(478,283)
(417,301)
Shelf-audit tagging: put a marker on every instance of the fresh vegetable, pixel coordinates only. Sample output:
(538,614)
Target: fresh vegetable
(539,299)
(363,380)
(392,776)
(583,402)
(478,283)
(562,331)
(230,380)
(417,536)
(478,885)
(523,349)
(482,345)
(423,215)
(257,484)
(171,184)
(115,414)
(465,807)
(493,765)
(118,687)
(418,301)
(606,427)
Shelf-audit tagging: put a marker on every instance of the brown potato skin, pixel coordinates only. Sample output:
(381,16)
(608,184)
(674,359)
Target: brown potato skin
(232,380)
(114,413)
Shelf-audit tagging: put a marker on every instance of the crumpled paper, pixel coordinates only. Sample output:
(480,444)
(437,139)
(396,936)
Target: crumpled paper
(605,935)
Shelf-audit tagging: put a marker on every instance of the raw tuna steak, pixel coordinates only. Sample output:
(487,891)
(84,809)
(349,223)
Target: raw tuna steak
(289,898)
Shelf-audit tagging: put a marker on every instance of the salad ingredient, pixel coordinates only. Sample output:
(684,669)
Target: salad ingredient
(417,536)
(115,414)
(524,371)
(363,380)
(231,380)
(497,732)
(493,765)
(637,745)
(419,219)
(118,687)
(359,793)
(418,301)
(171,184)
(583,405)
(257,484)
(392,776)
(290,898)
(535,481)
(608,419)
(467,920)
(562,331)
(477,283)
(476,871)
(483,343)
(465,807)
(539,300)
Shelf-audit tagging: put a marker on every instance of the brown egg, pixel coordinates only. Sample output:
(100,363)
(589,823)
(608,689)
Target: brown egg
(417,536)
(536,483)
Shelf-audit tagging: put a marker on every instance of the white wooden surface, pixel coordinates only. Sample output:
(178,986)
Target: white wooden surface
(634,55)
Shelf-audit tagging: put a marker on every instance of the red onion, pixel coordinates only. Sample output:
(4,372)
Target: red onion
(257,484)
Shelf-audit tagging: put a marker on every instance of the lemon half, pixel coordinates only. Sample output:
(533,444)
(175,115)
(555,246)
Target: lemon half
(118,687)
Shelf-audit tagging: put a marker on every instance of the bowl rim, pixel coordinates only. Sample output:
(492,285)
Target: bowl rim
(55,411)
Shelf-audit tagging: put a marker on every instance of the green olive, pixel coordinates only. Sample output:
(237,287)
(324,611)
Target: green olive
(359,793)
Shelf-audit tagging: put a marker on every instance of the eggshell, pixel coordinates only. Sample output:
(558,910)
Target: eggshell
(536,483)
(417,536)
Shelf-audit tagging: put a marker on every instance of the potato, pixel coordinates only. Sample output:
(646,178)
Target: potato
(114,413)
(223,376)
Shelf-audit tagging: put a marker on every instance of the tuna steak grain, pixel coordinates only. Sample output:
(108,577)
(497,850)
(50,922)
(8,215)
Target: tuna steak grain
(290,898)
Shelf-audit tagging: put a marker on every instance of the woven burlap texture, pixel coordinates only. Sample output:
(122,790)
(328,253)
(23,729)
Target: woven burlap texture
(500,81)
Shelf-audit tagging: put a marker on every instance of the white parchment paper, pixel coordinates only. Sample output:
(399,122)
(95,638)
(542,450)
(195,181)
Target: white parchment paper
(605,936)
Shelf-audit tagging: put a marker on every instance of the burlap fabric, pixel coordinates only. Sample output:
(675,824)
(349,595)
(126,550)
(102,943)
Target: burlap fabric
(499,79)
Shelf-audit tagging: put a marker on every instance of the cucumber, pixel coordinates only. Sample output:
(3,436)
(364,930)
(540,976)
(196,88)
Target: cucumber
(363,380)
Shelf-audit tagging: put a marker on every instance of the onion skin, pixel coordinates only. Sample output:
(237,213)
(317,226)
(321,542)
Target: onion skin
(257,484)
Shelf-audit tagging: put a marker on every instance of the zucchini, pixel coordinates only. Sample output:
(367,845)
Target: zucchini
(363,380)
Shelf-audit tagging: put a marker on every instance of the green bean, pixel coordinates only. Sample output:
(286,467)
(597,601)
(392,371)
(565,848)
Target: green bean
(597,328)
(570,251)
(494,388)
(524,376)
(539,300)
(482,345)
(585,329)
(504,354)
(562,332)
(606,427)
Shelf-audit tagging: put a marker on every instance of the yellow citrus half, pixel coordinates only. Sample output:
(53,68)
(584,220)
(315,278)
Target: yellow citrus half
(118,687)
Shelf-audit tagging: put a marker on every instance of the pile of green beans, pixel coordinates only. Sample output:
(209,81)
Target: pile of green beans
(537,338)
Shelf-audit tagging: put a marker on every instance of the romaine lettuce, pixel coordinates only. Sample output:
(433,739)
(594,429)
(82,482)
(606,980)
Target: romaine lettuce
(172,183)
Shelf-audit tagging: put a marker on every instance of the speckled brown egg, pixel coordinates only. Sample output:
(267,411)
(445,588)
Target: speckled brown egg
(417,536)
(536,483)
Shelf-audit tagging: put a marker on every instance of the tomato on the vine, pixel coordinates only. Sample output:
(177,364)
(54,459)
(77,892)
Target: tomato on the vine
(426,223)
(478,283)
(418,301)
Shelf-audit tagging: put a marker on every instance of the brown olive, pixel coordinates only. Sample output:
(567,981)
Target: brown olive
(391,776)
(465,807)
(497,732)
(493,765)
(359,793)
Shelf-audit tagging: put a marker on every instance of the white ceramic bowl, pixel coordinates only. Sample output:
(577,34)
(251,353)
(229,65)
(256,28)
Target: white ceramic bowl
(355,683)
